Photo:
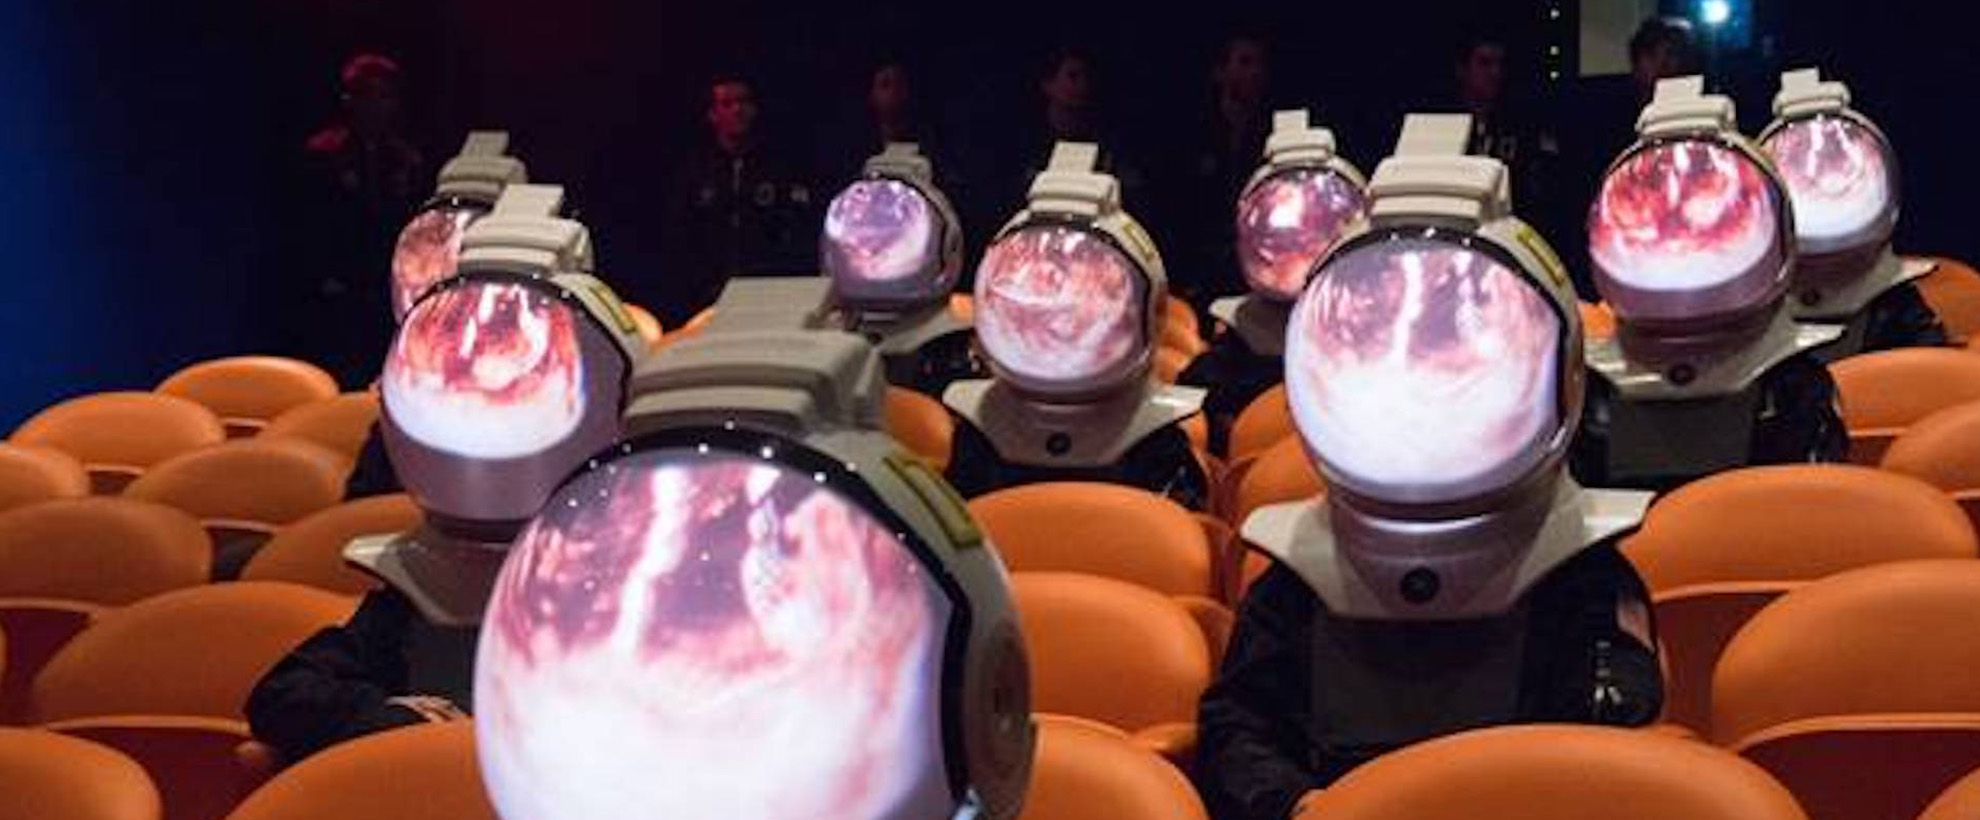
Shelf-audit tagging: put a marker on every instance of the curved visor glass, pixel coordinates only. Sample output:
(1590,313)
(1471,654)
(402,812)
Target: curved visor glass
(711,636)
(1289,220)
(428,250)
(1686,229)
(1419,370)
(487,369)
(882,237)
(1840,177)
(1057,305)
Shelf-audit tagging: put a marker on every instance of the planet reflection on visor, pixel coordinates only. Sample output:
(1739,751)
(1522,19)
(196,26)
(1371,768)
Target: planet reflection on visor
(486,369)
(1058,304)
(1418,370)
(711,638)
(428,250)
(1837,175)
(1287,222)
(1684,217)
(880,230)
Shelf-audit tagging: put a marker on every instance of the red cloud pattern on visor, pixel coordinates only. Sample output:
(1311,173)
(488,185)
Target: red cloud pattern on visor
(429,250)
(1059,305)
(711,638)
(487,369)
(1684,217)
(1837,175)
(1421,370)
(1287,222)
(880,230)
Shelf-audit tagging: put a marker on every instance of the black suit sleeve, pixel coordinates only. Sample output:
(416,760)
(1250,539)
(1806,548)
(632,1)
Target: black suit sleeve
(334,686)
(1606,670)
(1253,754)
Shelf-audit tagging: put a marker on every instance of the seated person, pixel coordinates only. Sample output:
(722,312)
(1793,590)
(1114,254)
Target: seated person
(1841,171)
(1690,235)
(1296,206)
(893,248)
(1453,576)
(1067,301)
(498,385)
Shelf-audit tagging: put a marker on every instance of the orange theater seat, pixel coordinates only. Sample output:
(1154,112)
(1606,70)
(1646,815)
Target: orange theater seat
(647,325)
(922,425)
(1718,550)
(36,629)
(243,491)
(1597,320)
(1953,292)
(117,436)
(339,423)
(33,474)
(1108,530)
(1116,653)
(1177,313)
(1283,473)
(426,772)
(165,681)
(1170,363)
(963,307)
(1942,449)
(1263,423)
(311,551)
(1084,771)
(1860,692)
(1555,773)
(46,776)
(1183,339)
(1961,801)
(1887,391)
(247,391)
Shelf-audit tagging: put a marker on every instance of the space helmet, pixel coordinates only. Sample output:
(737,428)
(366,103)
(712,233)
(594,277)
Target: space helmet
(505,376)
(1069,294)
(757,606)
(1296,206)
(429,247)
(1842,176)
(891,241)
(1691,231)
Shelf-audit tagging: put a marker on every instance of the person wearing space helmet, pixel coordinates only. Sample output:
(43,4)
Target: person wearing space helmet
(500,381)
(756,607)
(426,253)
(1297,204)
(1453,576)
(892,247)
(1842,174)
(1692,241)
(1068,297)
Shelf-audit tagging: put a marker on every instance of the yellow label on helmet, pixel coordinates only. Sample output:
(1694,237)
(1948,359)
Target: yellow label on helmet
(1550,262)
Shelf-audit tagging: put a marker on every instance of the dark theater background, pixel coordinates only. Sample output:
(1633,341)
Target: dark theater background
(145,147)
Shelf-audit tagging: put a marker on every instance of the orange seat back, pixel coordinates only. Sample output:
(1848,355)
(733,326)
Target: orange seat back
(1555,773)
(33,474)
(1081,771)
(1283,473)
(1110,651)
(921,424)
(1183,339)
(1263,423)
(963,307)
(1884,392)
(340,423)
(426,772)
(1108,530)
(47,776)
(247,391)
(1953,292)
(255,484)
(1597,320)
(1940,450)
(1961,801)
(311,551)
(645,323)
(111,551)
(119,435)
(1717,549)
(195,652)
(1178,314)
(1170,363)
(1861,691)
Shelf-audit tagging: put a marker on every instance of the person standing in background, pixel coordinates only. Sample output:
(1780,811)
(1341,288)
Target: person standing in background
(362,178)
(1227,146)
(1509,129)
(738,207)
